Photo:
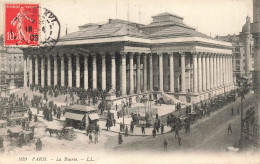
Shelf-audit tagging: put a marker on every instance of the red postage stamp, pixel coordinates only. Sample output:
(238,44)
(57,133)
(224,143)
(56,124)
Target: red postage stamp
(21,25)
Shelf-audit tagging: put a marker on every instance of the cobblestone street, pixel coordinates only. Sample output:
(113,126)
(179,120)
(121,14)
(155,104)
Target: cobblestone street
(207,134)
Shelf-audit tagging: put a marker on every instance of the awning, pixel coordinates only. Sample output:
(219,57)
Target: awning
(93,116)
(74,116)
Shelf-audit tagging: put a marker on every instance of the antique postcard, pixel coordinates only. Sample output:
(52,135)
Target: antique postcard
(129,81)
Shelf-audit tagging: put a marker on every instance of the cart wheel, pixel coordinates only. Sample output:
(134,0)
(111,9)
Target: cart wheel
(13,124)
(74,135)
(59,136)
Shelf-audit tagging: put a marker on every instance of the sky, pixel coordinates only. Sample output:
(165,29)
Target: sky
(212,17)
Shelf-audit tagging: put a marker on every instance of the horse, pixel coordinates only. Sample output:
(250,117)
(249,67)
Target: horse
(12,135)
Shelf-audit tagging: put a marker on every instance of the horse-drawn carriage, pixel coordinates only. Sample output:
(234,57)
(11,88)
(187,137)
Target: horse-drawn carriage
(67,133)
(13,116)
(20,136)
(17,117)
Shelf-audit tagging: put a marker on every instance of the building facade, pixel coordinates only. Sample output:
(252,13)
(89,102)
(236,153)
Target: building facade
(164,56)
(11,62)
(243,54)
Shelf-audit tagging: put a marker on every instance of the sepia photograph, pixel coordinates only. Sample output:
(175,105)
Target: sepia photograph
(129,81)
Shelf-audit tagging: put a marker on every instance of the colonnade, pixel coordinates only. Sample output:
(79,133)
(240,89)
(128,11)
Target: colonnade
(210,70)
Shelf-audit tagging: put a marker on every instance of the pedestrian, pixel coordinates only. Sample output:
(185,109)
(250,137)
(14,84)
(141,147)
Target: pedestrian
(87,130)
(232,111)
(176,132)
(154,133)
(179,140)
(90,138)
(117,115)
(96,137)
(30,115)
(238,111)
(1,142)
(126,131)
(132,127)
(143,129)
(114,121)
(229,128)
(162,128)
(120,140)
(165,144)
(38,145)
(35,118)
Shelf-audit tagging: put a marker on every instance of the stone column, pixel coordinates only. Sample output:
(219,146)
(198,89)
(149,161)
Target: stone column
(214,72)
(145,72)
(161,71)
(211,72)
(30,71)
(195,70)
(123,62)
(36,75)
(131,57)
(220,70)
(208,71)
(113,70)
(103,55)
(24,71)
(171,72)
(86,71)
(204,81)
(231,65)
(224,69)
(199,73)
(62,70)
(217,71)
(55,70)
(183,84)
(231,69)
(49,70)
(69,70)
(94,71)
(77,70)
(138,78)
(42,70)
(151,71)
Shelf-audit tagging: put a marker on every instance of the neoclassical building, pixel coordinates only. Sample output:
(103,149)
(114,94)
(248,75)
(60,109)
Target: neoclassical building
(135,59)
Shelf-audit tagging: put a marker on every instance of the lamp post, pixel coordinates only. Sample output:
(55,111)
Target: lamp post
(241,135)
(123,109)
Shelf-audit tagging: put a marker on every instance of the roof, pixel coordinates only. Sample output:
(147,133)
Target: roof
(74,116)
(177,31)
(169,23)
(93,116)
(167,14)
(104,31)
(82,108)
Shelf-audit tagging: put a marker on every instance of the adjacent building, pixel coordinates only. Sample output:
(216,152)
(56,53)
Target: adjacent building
(136,59)
(11,66)
(243,55)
